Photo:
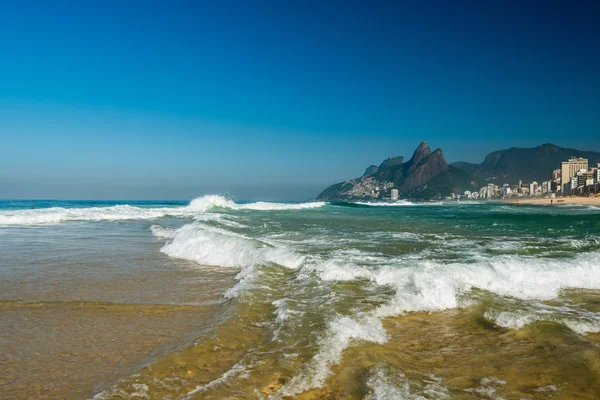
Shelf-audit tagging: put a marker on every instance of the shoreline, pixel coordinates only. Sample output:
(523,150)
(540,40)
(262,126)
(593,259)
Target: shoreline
(558,201)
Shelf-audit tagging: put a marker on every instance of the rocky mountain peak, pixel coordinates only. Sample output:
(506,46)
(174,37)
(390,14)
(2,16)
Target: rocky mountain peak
(421,152)
(422,168)
(371,170)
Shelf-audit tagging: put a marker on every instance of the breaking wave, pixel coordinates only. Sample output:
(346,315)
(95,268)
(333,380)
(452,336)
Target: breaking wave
(197,206)
(58,214)
(579,321)
(212,246)
(398,203)
(210,202)
(428,285)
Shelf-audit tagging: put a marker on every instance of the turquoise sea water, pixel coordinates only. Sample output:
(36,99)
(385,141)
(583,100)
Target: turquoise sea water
(316,300)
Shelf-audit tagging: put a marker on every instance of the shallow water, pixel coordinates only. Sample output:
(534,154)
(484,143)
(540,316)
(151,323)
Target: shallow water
(216,299)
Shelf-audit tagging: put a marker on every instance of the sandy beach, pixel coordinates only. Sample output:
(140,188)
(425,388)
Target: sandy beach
(587,201)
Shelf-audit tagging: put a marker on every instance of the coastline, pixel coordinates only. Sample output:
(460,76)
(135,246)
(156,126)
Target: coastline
(586,201)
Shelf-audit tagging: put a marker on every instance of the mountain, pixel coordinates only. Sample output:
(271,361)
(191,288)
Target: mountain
(390,162)
(426,175)
(464,166)
(371,170)
(526,164)
(453,180)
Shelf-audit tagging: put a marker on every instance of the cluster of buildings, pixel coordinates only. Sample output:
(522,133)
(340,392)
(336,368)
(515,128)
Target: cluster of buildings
(367,187)
(574,177)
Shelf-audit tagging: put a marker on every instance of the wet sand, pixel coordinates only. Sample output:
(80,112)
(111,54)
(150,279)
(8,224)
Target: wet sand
(72,350)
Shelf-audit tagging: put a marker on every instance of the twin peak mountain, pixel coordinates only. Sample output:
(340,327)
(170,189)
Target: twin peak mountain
(427,175)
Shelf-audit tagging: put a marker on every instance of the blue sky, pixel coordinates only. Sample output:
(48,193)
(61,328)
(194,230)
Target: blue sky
(277,100)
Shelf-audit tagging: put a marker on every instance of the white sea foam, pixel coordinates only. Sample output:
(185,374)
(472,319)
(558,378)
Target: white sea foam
(434,286)
(548,388)
(207,245)
(138,391)
(420,285)
(488,388)
(238,370)
(583,326)
(209,202)
(385,385)
(341,332)
(162,232)
(579,321)
(426,285)
(197,206)
(59,214)
(381,387)
(284,315)
(408,236)
(398,203)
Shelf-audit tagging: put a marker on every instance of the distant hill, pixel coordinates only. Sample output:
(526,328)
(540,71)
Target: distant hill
(527,164)
(426,175)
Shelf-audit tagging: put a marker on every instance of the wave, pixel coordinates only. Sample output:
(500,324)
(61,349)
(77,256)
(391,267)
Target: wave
(398,203)
(579,321)
(58,214)
(196,207)
(385,384)
(162,232)
(212,246)
(434,286)
(211,202)
(418,284)
(342,330)
(426,285)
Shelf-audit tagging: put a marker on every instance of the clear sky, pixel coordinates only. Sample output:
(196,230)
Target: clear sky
(277,100)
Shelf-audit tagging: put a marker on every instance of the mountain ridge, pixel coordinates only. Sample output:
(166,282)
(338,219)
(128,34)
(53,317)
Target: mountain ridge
(427,175)
(524,163)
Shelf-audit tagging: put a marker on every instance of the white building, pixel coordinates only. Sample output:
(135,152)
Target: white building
(533,188)
(589,182)
(394,194)
(573,183)
(546,187)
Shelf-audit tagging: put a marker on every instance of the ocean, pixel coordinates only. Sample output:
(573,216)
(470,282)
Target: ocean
(217,299)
